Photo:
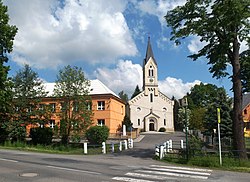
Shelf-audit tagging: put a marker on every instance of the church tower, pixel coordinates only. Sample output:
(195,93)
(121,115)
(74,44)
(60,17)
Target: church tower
(150,75)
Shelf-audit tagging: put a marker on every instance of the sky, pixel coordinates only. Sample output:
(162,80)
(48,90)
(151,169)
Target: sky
(108,40)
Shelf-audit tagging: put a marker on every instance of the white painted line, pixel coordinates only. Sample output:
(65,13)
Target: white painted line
(147,176)
(172,174)
(130,179)
(8,160)
(184,168)
(75,170)
(180,171)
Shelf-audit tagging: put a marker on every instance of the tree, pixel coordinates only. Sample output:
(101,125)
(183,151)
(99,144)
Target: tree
(73,88)
(127,122)
(136,92)
(245,70)
(7,34)
(97,134)
(28,89)
(204,100)
(222,25)
(123,96)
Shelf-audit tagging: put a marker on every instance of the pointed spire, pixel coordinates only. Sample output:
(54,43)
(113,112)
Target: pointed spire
(149,52)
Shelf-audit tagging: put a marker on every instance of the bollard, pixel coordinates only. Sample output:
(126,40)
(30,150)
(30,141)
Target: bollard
(120,146)
(126,144)
(103,148)
(182,144)
(161,151)
(112,147)
(157,150)
(85,148)
(132,143)
(170,145)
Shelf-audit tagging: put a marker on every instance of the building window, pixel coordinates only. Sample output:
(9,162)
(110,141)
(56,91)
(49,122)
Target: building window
(247,125)
(41,107)
(89,106)
(101,122)
(139,122)
(151,97)
(52,123)
(53,107)
(164,122)
(138,109)
(245,111)
(101,105)
(151,71)
(122,109)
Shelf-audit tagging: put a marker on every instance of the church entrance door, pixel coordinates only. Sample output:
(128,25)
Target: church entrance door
(151,127)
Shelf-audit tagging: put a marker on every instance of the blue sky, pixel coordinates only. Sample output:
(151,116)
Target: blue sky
(108,40)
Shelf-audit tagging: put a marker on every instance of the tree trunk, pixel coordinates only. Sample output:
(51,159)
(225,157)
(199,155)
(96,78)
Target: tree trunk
(238,124)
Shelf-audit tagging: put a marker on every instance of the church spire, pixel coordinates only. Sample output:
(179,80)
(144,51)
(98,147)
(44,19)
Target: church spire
(149,52)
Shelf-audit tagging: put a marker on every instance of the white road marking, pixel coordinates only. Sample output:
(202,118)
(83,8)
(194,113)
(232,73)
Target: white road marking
(130,179)
(179,171)
(8,160)
(147,176)
(183,168)
(172,174)
(75,170)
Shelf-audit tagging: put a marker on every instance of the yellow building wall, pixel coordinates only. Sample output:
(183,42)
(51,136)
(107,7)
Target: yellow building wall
(246,119)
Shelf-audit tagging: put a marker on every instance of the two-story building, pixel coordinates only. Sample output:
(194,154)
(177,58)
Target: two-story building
(108,109)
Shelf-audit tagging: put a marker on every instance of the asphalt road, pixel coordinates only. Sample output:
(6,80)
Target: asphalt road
(132,165)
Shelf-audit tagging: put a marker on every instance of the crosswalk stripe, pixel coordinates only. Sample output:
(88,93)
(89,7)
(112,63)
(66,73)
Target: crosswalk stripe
(179,171)
(172,174)
(146,176)
(183,168)
(130,179)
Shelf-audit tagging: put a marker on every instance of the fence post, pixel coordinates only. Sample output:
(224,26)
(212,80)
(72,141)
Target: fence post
(126,144)
(161,151)
(85,148)
(103,148)
(120,146)
(112,147)
(182,144)
(157,150)
(170,145)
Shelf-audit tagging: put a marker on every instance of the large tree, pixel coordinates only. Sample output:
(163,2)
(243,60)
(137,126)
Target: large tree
(28,89)
(7,34)
(73,88)
(223,25)
(136,92)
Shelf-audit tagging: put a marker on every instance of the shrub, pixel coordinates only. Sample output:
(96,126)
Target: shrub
(162,129)
(3,135)
(41,136)
(97,134)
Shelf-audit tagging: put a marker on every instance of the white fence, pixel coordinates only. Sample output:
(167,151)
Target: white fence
(124,144)
(166,147)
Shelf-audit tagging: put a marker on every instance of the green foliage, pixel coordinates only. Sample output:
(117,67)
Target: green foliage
(73,88)
(197,118)
(245,70)
(16,131)
(222,26)
(7,34)
(3,134)
(123,96)
(127,122)
(28,89)
(162,129)
(97,134)
(41,135)
(136,92)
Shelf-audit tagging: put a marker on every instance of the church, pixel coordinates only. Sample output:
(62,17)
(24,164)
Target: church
(151,109)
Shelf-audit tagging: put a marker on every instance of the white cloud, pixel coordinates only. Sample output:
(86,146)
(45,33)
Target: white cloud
(175,87)
(126,75)
(159,8)
(195,45)
(52,34)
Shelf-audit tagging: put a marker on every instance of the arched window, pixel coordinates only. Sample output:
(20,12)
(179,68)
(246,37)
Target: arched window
(151,97)
(151,71)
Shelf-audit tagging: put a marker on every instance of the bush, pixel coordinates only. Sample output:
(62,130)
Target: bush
(3,135)
(97,134)
(162,129)
(41,136)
